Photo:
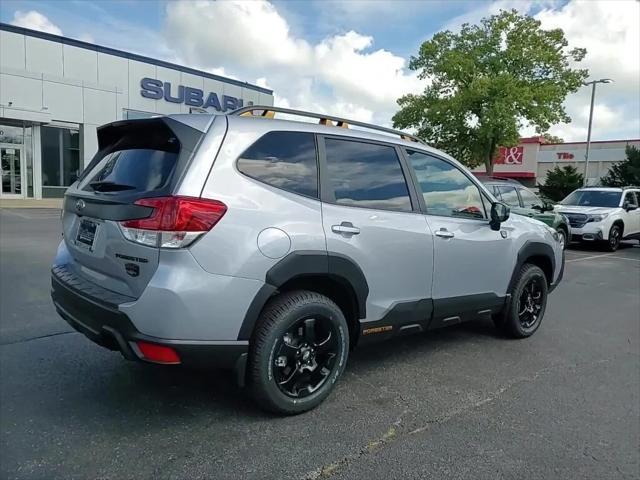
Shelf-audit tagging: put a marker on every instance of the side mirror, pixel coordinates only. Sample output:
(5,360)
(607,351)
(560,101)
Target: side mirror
(630,206)
(499,213)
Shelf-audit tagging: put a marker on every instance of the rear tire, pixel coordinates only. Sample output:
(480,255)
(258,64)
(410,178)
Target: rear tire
(523,313)
(297,353)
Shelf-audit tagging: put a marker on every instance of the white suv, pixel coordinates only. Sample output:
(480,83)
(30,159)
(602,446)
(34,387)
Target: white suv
(604,215)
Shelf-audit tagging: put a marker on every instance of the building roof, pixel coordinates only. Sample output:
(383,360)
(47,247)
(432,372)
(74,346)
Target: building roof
(128,55)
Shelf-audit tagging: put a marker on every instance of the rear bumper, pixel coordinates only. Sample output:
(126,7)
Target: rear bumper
(102,322)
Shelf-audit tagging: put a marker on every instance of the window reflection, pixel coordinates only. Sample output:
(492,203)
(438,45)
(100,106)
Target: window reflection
(366,175)
(446,190)
(284,160)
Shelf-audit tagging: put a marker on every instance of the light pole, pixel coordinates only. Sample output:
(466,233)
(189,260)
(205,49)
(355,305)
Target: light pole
(593,96)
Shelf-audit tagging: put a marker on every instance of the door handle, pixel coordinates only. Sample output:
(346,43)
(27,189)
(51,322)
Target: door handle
(444,233)
(346,228)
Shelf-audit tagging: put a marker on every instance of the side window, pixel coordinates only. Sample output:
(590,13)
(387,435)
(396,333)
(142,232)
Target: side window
(284,160)
(529,199)
(630,198)
(366,175)
(446,190)
(509,195)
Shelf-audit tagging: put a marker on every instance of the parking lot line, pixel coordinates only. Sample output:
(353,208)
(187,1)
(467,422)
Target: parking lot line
(608,255)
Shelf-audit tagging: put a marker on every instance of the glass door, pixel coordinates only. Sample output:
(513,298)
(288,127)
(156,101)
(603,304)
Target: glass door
(11,158)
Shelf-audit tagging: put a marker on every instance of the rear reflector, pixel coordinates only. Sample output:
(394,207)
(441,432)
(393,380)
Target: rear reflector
(175,222)
(158,353)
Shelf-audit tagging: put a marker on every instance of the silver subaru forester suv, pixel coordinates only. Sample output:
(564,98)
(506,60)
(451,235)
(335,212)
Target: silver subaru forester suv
(273,247)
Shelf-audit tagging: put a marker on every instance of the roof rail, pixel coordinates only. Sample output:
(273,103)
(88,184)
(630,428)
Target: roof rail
(269,112)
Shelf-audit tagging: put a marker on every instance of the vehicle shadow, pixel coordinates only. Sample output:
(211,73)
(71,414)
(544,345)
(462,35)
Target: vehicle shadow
(595,248)
(182,392)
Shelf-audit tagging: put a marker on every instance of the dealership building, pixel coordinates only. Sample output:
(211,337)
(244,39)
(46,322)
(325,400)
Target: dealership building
(55,92)
(532,158)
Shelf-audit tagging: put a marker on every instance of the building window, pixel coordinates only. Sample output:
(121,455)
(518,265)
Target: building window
(60,159)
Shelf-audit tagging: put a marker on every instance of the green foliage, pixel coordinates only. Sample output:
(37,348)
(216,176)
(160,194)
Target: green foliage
(626,172)
(548,138)
(560,182)
(487,82)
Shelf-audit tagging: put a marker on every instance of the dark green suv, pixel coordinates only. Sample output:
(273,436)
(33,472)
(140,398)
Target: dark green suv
(524,202)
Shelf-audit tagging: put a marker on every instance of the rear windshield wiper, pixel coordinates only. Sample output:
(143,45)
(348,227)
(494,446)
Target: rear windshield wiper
(110,186)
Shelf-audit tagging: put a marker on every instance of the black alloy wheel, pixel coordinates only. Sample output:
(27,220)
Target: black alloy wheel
(297,352)
(530,302)
(305,356)
(615,235)
(526,305)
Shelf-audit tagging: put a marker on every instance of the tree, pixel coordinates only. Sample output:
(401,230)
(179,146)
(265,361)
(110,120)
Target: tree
(560,182)
(487,82)
(548,138)
(626,172)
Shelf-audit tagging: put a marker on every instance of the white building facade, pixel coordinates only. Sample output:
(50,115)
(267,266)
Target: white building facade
(532,158)
(55,92)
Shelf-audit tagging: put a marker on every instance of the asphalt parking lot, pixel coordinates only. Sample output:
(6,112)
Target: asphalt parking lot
(456,403)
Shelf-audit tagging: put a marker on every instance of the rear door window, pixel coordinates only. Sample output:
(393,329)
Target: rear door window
(366,175)
(530,199)
(509,195)
(285,160)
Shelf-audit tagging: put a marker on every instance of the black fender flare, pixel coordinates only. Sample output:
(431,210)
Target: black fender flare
(306,263)
(528,250)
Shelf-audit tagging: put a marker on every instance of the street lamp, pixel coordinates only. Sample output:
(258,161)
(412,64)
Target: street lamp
(593,96)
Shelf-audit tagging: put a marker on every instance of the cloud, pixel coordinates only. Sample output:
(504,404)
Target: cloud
(609,32)
(35,21)
(342,74)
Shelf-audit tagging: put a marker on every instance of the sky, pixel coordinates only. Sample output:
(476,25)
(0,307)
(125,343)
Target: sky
(349,58)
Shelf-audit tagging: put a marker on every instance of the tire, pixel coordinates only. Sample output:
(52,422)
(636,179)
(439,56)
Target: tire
(523,299)
(563,237)
(613,241)
(300,335)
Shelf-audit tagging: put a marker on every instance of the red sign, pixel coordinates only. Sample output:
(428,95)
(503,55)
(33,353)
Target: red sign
(510,156)
(565,156)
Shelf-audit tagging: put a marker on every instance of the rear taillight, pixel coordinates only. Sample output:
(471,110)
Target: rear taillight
(175,222)
(158,353)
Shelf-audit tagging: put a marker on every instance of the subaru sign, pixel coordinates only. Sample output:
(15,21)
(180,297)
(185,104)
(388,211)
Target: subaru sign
(193,97)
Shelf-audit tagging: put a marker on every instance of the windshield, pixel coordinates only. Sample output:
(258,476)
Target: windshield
(593,198)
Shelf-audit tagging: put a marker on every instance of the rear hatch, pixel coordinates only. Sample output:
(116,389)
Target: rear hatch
(136,159)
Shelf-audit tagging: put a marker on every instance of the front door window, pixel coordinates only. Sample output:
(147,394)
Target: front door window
(11,158)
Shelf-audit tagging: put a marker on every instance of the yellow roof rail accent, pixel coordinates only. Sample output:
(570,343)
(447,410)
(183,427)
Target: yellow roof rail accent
(342,124)
(326,121)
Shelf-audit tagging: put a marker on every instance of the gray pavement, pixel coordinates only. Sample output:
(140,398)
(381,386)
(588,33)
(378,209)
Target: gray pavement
(456,403)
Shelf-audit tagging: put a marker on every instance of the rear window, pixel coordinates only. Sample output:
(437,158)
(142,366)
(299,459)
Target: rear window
(139,169)
(134,156)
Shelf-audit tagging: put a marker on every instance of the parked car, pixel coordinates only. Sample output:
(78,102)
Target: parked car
(274,247)
(524,202)
(603,215)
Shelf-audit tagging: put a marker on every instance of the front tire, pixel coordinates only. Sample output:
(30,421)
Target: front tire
(523,314)
(298,352)
(563,237)
(613,242)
